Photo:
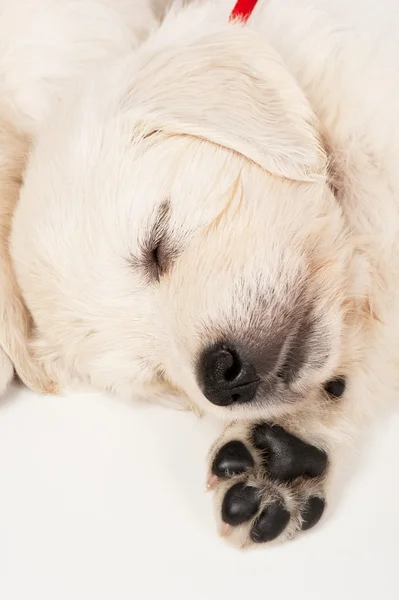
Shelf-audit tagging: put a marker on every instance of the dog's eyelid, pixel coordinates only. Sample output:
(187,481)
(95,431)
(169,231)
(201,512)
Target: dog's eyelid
(162,257)
(157,251)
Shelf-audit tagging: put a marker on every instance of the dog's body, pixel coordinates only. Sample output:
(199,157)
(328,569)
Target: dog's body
(212,218)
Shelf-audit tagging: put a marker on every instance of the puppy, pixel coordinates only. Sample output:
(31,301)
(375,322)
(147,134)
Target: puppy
(212,219)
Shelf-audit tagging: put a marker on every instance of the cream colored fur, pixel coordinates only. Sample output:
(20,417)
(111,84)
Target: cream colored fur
(44,46)
(275,146)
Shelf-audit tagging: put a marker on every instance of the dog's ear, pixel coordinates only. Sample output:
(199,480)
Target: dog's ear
(231,89)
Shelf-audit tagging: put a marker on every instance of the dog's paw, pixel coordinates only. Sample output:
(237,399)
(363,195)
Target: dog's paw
(27,369)
(6,371)
(33,374)
(267,483)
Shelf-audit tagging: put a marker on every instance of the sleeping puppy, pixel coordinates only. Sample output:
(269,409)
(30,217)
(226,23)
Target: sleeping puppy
(213,220)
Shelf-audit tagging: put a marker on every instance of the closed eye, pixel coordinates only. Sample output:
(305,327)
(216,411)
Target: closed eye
(160,259)
(157,251)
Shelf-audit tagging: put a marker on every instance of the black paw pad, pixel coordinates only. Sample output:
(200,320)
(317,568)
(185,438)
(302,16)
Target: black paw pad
(240,503)
(270,524)
(286,457)
(312,512)
(232,459)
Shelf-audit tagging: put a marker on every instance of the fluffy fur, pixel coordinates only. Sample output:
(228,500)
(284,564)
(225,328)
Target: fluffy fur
(259,162)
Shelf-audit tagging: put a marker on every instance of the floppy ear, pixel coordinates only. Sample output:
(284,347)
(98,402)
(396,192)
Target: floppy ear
(231,89)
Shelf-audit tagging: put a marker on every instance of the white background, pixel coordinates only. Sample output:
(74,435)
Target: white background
(104,499)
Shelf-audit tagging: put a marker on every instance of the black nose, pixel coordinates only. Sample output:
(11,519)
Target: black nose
(226,377)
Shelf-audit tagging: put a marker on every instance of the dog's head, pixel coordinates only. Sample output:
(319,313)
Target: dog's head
(176,231)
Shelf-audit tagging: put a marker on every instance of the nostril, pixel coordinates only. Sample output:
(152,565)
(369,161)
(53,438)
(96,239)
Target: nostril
(234,369)
(226,377)
(224,364)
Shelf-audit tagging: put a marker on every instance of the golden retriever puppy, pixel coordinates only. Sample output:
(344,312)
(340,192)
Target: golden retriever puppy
(213,220)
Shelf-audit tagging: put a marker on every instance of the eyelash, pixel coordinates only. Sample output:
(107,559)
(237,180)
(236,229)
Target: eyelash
(149,260)
(155,257)
(157,252)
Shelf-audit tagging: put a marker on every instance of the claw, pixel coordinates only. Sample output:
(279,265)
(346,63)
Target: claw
(212,482)
(225,530)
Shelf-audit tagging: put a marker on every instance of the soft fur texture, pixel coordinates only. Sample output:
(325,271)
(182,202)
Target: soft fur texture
(260,162)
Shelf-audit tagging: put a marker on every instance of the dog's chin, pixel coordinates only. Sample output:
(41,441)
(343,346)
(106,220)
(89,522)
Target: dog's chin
(281,400)
(270,406)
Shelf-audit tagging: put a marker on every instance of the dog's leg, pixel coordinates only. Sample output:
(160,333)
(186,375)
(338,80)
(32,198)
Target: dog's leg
(14,318)
(271,480)
(6,371)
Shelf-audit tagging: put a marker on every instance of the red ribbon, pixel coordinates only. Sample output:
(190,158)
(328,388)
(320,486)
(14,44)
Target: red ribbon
(243,10)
